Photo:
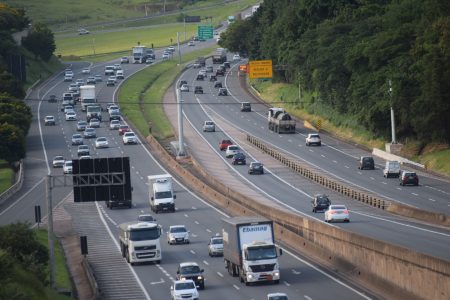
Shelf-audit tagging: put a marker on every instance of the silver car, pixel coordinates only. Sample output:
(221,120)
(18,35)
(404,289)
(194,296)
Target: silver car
(177,234)
(77,139)
(115,124)
(215,246)
(67,168)
(209,126)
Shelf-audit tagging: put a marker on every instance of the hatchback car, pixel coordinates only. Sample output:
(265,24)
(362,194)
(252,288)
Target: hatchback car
(146,218)
(337,213)
(209,69)
(366,163)
(223,144)
(209,126)
(49,121)
(198,90)
(408,178)
(71,116)
(320,203)
(200,77)
(184,88)
(79,82)
(215,246)
(181,82)
(115,115)
(110,82)
(91,80)
(236,57)
(52,99)
(246,106)
(184,289)
(223,92)
(231,151)
(86,71)
(81,125)
(212,78)
(89,133)
(217,84)
(192,271)
(166,56)
(114,124)
(256,168)
(67,168)
(177,234)
(313,139)
(124,60)
(83,150)
(77,139)
(98,78)
(101,142)
(58,161)
(129,138)
(191,43)
(220,72)
(239,159)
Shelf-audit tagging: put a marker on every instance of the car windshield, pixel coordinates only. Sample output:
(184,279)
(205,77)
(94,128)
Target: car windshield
(144,234)
(68,163)
(233,148)
(323,200)
(129,134)
(76,136)
(190,270)
(367,159)
(209,123)
(59,158)
(226,142)
(278,298)
(83,147)
(163,195)
(217,241)
(101,139)
(184,286)
(177,229)
(316,136)
(146,218)
(256,165)
(261,252)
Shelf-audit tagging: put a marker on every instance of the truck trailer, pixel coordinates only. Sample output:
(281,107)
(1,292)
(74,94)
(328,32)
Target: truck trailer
(161,193)
(219,56)
(280,121)
(249,249)
(140,242)
(140,54)
(87,96)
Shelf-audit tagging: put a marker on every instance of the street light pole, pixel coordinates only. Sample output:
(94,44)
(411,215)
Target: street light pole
(180,124)
(394,140)
(179,51)
(51,244)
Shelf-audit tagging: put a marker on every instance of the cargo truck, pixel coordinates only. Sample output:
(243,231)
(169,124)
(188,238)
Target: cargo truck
(140,54)
(140,242)
(249,249)
(87,96)
(93,111)
(219,56)
(161,193)
(280,121)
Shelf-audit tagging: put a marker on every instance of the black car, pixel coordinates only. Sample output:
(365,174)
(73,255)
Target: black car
(220,72)
(407,177)
(246,106)
(256,168)
(223,92)
(218,84)
(191,270)
(238,159)
(52,98)
(366,162)
(198,90)
(320,203)
(227,64)
(200,77)
(213,78)
(182,82)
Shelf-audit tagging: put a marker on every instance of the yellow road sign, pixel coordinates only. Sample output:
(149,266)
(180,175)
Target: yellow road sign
(260,69)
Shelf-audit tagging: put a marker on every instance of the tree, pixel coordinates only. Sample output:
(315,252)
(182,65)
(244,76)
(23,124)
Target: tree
(40,41)
(12,147)
(11,86)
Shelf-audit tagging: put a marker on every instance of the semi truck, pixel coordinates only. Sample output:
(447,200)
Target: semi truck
(140,54)
(93,111)
(140,242)
(280,121)
(219,56)
(161,193)
(87,96)
(249,249)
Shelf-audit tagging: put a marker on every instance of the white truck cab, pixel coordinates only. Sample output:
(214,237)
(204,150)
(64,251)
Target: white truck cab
(161,193)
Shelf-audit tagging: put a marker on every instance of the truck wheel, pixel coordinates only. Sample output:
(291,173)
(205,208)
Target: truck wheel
(158,262)
(127,255)
(110,206)
(276,281)
(107,204)
(202,286)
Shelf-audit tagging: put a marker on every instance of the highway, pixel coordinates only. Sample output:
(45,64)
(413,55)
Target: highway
(300,278)
(334,157)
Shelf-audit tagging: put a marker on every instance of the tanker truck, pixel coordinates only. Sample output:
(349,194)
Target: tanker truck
(280,121)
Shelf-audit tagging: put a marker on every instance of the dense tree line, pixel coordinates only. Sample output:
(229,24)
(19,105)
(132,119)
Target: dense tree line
(346,51)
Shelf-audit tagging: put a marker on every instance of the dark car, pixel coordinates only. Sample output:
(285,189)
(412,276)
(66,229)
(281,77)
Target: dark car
(246,106)
(238,159)
(114,115)
(198,90)
(223,144)
(223,92)
(200,77)
(366,163)
(52,98)
(110,82)
(191,270)
(256,168)
(227,64)
(218,84)
(407,177)
(213,78)
(181,82)
(320,203)
(220,72)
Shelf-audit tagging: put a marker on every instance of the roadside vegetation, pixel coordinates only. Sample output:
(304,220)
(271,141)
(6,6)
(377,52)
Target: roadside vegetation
(6,177)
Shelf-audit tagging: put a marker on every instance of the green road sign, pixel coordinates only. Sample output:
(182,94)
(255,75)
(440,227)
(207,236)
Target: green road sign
(205,32)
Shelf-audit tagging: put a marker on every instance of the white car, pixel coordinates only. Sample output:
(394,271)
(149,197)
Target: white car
(277,296)
(337,212)
(49,120)
(113,78)
(313,139)
(68,78)
(191,43)
(184,290)
(117,67)
(171,48)
(129,138)
(71,116)
(67,168)
(231,151)
(85,157)
(165,56)
(86,71)
(209,126)
(115,124)
(184,88)
(68,108)
(101,142)
(177,234)
(215,246)
(111,106)
(119,74)
(58,161)
(236,57)
(94,123)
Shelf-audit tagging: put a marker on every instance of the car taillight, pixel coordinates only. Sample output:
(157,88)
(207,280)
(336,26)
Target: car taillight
(332,212)
(346,211)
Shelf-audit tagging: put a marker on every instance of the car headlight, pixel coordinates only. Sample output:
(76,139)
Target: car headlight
(250,276)
(200,277)
(276,274)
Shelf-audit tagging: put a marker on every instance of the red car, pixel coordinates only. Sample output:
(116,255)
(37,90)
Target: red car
(123,129)
(223,144)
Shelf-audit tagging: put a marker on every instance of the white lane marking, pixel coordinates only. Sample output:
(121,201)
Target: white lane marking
(399,188)
(432,200)
(206,263)
(192,251)
(322,155)
(220,274)
(347,167)
(372,178)
(236,287)
(310,150)
(286,283)
(157,282)
(23,196)
(196,222)
(186,215)
(208,230)
(295,272)
(384,182)
(307,297)
(335,161)
(193,208)
(415,194)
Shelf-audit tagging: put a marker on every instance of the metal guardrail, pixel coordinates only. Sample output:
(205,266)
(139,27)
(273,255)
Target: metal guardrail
(15,187)
(91,278)
(330,183)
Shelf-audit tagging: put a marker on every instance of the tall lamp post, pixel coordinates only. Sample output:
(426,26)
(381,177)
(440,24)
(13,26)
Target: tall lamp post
(394,140)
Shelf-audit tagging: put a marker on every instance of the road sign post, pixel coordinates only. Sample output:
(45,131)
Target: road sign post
(260,69)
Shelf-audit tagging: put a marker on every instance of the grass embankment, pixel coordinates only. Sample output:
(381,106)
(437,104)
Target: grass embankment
(141,96)
(39,69)
(6,177)
(435,157)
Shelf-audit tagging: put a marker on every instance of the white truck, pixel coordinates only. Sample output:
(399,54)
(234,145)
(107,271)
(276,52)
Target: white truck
(87,96)
(140,54)
(161,193)
(280,121)
(140,242)
(249,249)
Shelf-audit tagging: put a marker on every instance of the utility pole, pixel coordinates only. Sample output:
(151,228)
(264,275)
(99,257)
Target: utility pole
(51,244)
(180,124)
(179,51)
(184,28)
(394,140)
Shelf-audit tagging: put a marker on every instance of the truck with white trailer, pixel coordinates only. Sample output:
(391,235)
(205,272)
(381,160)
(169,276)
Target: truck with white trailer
(140,54)
(249,249)
(87,96)
(280,121)
(162,197)
(140,242)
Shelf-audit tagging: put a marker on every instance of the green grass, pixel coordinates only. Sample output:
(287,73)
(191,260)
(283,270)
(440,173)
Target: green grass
(62,276)
(438,161)
(140,97)
(6,178)
(36,68)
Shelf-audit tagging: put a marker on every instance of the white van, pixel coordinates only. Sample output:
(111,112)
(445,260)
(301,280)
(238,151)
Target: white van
(392,168)
(119,74)
(161,193)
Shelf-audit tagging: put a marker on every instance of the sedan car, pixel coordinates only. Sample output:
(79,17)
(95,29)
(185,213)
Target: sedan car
(67,168)
(337,212)
(110,82)
(239,159)
(101,142)
(256,168)
(114,124)
(209,126)
(91,80)
(177,234)
(277,296)
(236,57)
(184,88)
(218,84)
(94,123)
(81,125)
(123,129)
(223,92)
(231,151)
(129,138)
(58,161)
(408,177)
(191,43)
(52,99)
(313,139)
(83,150)
(192,271)
(89,133)
(320,203)
(215,246)
(146,218)
(223,144)
(71,116)
(115,115)
(77,139)
(98,78)
(49,121)
(198,90)
(184,289)
(124,60)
